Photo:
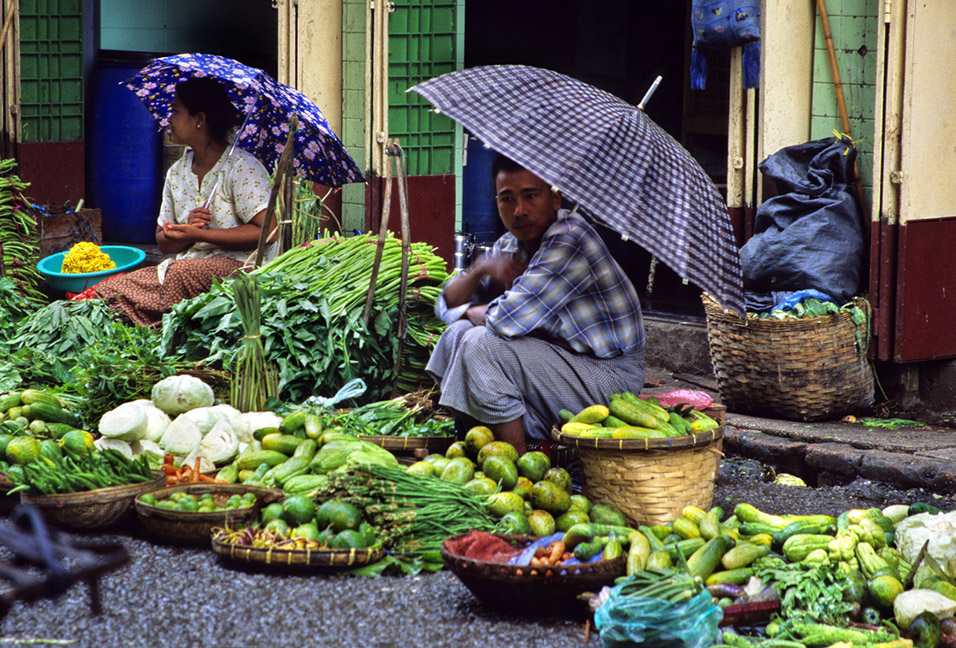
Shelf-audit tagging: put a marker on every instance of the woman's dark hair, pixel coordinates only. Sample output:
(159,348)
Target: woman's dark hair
(205,95)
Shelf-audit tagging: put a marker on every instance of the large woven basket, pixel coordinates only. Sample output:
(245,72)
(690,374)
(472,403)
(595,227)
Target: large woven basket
(805,369)
(94,509)
(650,480)
(548,591)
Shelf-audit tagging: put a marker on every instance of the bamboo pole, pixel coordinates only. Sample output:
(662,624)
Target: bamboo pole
(841,105)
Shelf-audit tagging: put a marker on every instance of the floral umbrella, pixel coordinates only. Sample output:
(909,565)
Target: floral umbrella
(320,156)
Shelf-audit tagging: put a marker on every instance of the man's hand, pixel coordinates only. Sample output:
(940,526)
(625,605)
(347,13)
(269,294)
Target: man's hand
(476,314)
(502,269)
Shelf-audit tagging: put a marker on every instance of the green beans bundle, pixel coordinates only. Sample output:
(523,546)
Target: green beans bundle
(413,513)
(254,380)
(19,235)
(665,584)
(74,472)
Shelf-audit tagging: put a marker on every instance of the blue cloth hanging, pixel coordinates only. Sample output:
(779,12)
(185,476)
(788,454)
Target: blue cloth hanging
(720,24)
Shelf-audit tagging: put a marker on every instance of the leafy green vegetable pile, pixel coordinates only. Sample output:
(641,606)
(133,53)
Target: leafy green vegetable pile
(311,319)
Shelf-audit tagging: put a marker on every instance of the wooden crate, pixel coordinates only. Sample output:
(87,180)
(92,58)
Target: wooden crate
(59,232)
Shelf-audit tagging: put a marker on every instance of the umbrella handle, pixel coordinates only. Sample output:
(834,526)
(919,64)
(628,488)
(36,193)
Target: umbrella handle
(285,161)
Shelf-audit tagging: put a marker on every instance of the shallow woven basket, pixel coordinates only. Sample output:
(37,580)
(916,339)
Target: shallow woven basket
(650,480)
(194,527)
(277,558)
(801,369)
(514,588)
(410,443)
(93,509)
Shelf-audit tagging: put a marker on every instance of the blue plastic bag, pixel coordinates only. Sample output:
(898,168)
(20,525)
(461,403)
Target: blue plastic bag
(626,621)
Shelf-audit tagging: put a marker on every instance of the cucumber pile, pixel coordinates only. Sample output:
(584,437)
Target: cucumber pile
(628,416)
(825,571)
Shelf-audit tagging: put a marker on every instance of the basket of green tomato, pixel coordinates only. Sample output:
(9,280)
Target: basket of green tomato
(187,513)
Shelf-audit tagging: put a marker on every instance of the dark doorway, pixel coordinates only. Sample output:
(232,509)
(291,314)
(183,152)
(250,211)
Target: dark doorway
(620,46)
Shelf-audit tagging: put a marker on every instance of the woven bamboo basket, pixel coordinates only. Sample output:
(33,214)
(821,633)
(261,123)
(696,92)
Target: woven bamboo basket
(93,509)
(650,480)
(281,559)
(804,369)
(409,443)
(194,527)
(552,590)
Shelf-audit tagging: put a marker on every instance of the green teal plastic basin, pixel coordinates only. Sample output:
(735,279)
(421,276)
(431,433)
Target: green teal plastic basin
(125,257)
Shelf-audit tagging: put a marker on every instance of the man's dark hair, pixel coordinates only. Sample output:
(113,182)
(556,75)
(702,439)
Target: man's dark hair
(504,163)
(205,95)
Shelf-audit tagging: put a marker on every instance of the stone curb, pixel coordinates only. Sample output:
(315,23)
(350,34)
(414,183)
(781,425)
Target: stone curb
(833,462)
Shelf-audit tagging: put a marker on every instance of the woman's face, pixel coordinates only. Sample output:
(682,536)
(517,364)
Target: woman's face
(182,126)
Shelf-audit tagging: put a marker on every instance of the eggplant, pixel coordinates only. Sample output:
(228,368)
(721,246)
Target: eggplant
(725,590)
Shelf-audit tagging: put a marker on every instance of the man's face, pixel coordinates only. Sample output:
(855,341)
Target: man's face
(526,204)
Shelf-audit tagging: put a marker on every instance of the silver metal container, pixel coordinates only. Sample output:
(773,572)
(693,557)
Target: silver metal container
(461,261)
(480,252)
(464,243)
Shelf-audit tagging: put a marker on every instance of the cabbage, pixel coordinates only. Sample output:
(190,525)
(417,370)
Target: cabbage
(248,422)
(205,465)
(126,422)
(204,418)
(181,437)
(221,444)
(157,419)
(227,412)
(938,530)
(907,605)
(115,444)
(177,394)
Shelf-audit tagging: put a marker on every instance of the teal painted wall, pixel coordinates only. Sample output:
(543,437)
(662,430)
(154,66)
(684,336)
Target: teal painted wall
(241,29)
(853,27)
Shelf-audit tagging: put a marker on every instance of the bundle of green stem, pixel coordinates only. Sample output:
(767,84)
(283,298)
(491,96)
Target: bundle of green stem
(254,380)
(406,415)
(414,513)
(340,268)
(19,235)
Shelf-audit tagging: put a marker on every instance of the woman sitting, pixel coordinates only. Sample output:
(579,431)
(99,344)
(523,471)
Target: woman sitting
(213,209)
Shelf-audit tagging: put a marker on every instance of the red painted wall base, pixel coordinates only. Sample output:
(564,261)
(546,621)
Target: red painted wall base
(56,171)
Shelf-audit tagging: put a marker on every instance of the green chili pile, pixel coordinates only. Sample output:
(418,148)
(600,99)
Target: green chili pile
(73,472)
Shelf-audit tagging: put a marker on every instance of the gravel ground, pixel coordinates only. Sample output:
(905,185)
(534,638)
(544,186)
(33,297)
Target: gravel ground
(170,596)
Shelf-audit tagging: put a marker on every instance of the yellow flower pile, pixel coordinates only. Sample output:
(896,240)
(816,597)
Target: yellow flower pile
(86,257)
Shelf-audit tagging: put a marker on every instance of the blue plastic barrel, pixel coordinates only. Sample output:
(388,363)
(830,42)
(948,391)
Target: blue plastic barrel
(479,212)
(124,161)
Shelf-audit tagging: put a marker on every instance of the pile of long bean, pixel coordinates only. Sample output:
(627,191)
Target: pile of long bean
(413,513)
(340,268)
(19,235)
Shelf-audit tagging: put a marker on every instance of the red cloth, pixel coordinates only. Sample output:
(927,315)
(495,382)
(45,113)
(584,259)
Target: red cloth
(478,545)
(88,293)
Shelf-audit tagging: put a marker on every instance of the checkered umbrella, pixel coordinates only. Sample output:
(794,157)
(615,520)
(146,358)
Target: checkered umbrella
(606,155)
(268,105)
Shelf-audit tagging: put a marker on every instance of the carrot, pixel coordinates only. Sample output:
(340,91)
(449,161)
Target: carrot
(208,479)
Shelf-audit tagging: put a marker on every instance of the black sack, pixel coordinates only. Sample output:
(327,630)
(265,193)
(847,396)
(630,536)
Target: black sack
(810,236)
